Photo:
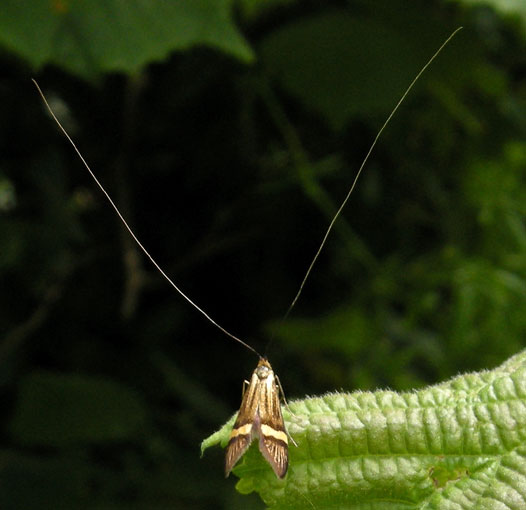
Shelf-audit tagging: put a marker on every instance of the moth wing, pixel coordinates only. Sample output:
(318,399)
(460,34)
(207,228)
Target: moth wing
(276,453)
(237,446)
(242,432)
(273,441)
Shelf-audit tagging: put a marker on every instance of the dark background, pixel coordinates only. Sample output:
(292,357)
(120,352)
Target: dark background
(228,150)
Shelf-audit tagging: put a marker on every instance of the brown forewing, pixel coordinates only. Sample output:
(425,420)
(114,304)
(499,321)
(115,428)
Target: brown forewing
(239,442)
(273,442)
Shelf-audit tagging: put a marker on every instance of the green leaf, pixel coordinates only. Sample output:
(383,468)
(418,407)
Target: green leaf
(89,37)
(460,444)
(62,409)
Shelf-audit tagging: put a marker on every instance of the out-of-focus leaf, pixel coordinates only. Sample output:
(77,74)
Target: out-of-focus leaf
(344,331)
(338,64)
(516,8)
(7,194)
(89,37)
(251,9)
(61,409)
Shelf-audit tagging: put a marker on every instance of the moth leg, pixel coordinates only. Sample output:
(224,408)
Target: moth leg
(288,408)
(291,438)
(283,395)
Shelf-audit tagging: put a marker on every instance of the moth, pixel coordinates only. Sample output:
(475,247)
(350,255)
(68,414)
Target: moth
(260,412)
(260,417)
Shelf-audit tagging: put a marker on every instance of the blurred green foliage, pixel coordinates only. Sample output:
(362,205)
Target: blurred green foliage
(229,132)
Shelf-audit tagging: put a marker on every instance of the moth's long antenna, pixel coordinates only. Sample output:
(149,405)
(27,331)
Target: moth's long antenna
(145,251)
(364,162)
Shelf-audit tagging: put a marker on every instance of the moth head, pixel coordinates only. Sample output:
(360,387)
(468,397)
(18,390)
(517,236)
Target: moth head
(263,369)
